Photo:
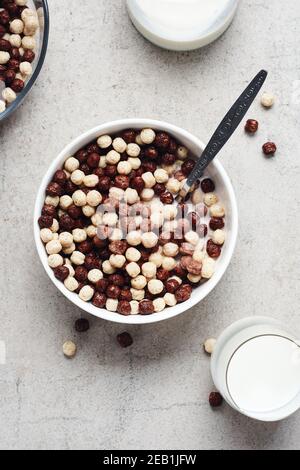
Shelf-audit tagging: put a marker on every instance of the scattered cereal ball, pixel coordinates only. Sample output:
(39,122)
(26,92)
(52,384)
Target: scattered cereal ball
(267,100)
(192,237)
(161,176)
(2,106)
(134,238)
(117,261)
(16,26)
(79,198)
(149,239)
(28,42)
(171,249)
(55,260)
(133,150)
(170,300)
(65,239)
(155,286)
(147,136)
(215,399)
(168,263)
(119,145)
(139,282)
(208,268)
(137,294)
(135,163)
(149,270)
(156,258)
(131,196)
(134,307)
(72,164)
(194,278)
(182,152)
(77,177)
(53,247)
(46,235)
(95,275)
(218,237)
(209,345)
(217,211)
(173,185)
(79,235)
(77,258)
(132,254)
(210,199)
(113,157)
(107,267)
(112,305)
(26,69)
(149,180)
(104,141)
(159,304)
(133,269)
(86,293)
(90,181)
(69,349)
(8,94)
(65,202)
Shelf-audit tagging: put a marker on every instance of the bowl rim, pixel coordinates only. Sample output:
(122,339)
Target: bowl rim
(21,96)
(170,312)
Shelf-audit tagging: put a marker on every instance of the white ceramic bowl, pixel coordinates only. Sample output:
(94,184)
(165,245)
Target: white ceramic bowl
(224,190)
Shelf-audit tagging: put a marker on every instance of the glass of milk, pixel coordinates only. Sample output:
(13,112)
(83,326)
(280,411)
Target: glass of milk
(181,24)
(256,367)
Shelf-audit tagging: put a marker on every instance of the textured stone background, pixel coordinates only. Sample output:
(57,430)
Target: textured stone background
(154,395)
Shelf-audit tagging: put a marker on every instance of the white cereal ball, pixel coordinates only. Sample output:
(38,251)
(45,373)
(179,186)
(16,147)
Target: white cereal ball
(157,219)
(104,141)
(54,247)
(102,162)
(137,294)
(149,239)
(217,211)
(91,231)
(77,258)
(135,163)
(113,157)
(149,270)
(72,164)
(96,219)
(168,263)
(27,12)
(161,176)
(2,106)
(90,181)
(133,150)
(116,193)
(69,249)
(70,268)
(116,234)
(28,42)
(77,177)
(138,140)
(170,169)
(8,94)
(131,196)
(192,237)
(26,69)
(107,267)
(79,198)
(79,235)
(117,261)
(159,304)
(69,349)
(15,40)
(134,304)
(71,284)
(52,201)
(65,239)
(208,268)
(124,168)
(61,212)
(46,235)
(176,278)
(210,199)
(111,305)
(55,261)
(134,238)
(173,185)
(86,293)
(147,136)
(65,202)
(218,237)
(193,278)
(197,197)
(133,269)
(16,26)
(267,100)
(170,300)
(199,255)
(31,26)
(149,180)
(147,194)
(209,345)
(119,145)
(110,219)
(94,198)
(139,283)
(155,286)
(55,226)
(132,254)
(88,211)
(182,152)
(170,212)
(171,249)
(156,258)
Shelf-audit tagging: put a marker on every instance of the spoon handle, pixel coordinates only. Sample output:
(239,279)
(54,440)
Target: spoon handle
(225,129)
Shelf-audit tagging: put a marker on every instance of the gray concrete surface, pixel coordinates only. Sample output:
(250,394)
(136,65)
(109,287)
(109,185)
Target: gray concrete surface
(153,395)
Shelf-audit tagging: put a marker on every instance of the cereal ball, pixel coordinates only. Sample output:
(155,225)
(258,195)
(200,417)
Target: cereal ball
(147,194)
(102,162)
(149,239)
(119,145)
(155,286)
(65,239)
(170,300)
(116,234)
(108,268)
(138,140)
(28,42)
(124,168)
(133,150)
(210,199)
(218,237)
(72,164)
(104,141)
(110,219)
(112,305)
(192,237)
(173,185)
(149,180)
(161,176)
(117,261)
(26,69)
(31,26)
(96,219)
(131,196)
(147,136)
(133,269)
(91,231)
(209,345)
(16,26)
(54,247)
(113,157)
(55,260)
(135,163)
(182,152)
(194,278)
(132,254)
(46,235)
(2,106)
(197,197)
(139,283)
(137,294)
(157,219)
(77,177)
(65,202)
(77,258)
(55,226)
(208,268)
(198,255)
(4,57)
(90,181)
(79,198)
(79,235)
(134,238)
(134,307)
(159,304)
(86,293)
(69,349)
(168,263)
(15,40)
(171,249)
(267,100)
(71,284)
(52,201)
(8,94)
(69,249)
(176,278)
(88,211)
(170,212)
(27,12)
(217,211)
(149,270)
(156,258)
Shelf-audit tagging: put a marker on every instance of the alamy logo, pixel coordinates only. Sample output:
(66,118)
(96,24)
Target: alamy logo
(2,353)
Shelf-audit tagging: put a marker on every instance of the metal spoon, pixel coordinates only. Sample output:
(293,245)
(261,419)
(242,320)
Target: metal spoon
(224,131)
